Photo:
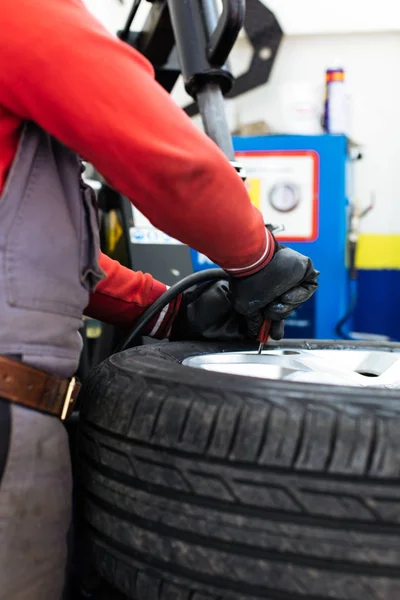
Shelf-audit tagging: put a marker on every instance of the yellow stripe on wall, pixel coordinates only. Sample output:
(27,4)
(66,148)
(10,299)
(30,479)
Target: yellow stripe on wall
(376,251)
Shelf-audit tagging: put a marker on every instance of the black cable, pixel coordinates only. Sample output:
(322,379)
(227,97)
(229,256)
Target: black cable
(339,326)
(124,34)
(352,278)
(174,291)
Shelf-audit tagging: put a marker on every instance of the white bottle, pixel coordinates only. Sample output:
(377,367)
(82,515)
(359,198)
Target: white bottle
(336,114)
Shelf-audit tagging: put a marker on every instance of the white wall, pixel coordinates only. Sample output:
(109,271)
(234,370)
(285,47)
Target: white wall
(297,17)
(365,38)
(110,12)
(306,17)
(113,14)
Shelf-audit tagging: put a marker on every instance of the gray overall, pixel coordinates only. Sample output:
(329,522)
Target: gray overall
(48,265)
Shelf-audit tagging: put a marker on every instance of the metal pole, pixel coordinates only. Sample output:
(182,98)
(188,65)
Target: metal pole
(210,99)
(212,110)
(193,23)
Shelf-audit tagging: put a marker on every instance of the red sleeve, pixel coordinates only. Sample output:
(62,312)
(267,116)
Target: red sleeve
(124,295)
(60,68)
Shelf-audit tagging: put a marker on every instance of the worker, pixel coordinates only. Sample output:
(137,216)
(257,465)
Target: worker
(69,88)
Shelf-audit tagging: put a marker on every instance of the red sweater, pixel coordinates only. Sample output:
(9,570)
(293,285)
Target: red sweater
(60,68)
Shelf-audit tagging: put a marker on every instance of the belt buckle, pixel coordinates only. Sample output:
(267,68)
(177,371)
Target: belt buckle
(70,398)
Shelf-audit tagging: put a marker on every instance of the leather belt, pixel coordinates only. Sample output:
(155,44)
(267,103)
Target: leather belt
(36,389)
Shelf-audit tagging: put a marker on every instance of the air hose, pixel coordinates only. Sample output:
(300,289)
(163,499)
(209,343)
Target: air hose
(341,330)
(167,297)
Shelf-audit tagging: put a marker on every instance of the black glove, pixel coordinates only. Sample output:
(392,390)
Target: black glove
(276,291)
(206,313)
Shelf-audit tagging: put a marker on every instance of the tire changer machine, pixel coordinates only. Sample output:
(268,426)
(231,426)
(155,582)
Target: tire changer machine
(298,182)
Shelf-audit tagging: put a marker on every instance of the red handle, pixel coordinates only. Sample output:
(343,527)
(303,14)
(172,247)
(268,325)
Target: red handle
(264,332)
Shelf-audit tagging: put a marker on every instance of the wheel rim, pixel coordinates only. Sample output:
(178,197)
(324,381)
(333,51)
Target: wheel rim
(359,368)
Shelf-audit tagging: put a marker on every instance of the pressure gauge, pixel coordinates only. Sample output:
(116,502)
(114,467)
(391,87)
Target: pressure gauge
(284,197)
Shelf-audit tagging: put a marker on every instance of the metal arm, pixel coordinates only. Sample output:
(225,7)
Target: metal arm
(204,43)
(203,40)
(226,32)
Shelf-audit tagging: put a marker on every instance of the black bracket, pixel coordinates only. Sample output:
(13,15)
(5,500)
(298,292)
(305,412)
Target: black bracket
(265,35)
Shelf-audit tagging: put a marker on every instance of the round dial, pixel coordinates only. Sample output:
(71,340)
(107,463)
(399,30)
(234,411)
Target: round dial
(284,197)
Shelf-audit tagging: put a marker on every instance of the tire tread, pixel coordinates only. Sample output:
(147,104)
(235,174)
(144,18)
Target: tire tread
(267,467)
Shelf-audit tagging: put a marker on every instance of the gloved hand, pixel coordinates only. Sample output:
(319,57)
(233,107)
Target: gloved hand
(206,313)
(275,291)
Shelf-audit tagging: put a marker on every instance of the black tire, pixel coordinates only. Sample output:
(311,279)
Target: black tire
(207,486)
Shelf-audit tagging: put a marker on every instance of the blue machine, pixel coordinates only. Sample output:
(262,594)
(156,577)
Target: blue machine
(301,184)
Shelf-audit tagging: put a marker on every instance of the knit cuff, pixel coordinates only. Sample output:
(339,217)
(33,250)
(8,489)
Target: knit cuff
(265,258)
